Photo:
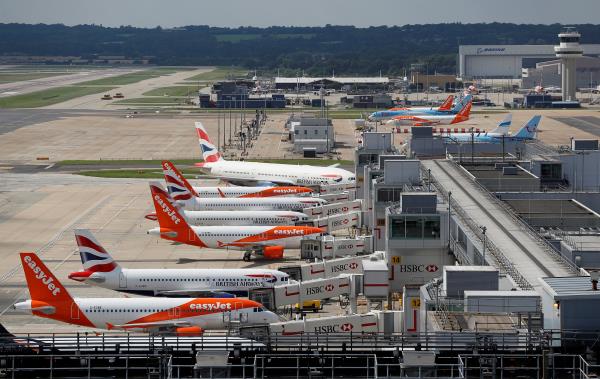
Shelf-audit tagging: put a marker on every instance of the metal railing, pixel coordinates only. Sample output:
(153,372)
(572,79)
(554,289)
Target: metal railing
(501,262)
(544,244)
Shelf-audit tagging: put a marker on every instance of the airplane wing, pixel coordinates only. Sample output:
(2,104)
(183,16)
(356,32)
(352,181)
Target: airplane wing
(150,325)
(255,182)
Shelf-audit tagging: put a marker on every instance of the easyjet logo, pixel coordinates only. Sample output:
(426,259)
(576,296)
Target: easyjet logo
(42,276)
(289,190)
(289,232)
(218,306)
(165,208)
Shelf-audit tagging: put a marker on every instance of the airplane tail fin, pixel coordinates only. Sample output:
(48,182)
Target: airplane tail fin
(461,103)
(504,125)
(172,225)
(463,114)
(43,285)
(447,104)
(529,130)
(210,153)
(93,256)
(177,185)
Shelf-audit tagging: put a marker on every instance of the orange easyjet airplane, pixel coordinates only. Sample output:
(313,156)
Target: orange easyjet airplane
(268,241)
(182,316)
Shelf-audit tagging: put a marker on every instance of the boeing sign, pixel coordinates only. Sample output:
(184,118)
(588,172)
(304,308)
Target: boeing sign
(487,50)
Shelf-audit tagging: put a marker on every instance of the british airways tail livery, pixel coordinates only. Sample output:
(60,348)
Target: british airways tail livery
(269,174)
(208,282)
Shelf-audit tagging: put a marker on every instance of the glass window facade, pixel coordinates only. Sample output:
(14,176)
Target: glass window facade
(415,227)
(389,194)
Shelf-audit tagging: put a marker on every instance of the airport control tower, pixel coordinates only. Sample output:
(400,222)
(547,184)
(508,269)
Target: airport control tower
(568,51)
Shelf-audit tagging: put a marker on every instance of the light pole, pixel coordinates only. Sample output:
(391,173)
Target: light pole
(449,213)
(483,230)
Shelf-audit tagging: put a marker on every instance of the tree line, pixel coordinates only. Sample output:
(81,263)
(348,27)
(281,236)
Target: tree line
(345,50)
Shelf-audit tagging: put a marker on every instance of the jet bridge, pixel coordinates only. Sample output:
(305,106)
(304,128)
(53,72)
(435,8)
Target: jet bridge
(338,221)
(322,211)
(325,280)
(330,268)
(325,247)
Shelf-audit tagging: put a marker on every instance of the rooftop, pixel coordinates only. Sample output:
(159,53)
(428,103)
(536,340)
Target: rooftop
(342,80)
(569,286)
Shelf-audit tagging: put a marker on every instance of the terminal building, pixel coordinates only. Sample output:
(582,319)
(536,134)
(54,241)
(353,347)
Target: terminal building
(508,61)
(339,83)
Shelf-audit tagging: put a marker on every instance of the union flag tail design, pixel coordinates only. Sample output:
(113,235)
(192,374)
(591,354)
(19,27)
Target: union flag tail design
(178,186)
(93,256)
(172,224)
(210,153)
(447,104)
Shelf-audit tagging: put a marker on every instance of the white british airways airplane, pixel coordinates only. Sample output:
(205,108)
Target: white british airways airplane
(99,269)
(252,173)
(181,316)
(267,241)
(237,191)
(186,197)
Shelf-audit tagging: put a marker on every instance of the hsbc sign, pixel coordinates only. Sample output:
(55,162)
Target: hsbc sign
(431,268)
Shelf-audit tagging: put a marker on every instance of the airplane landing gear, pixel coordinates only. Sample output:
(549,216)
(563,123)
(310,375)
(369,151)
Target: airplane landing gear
(247,256)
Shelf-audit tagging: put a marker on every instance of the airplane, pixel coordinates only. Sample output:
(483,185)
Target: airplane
(236,191)
(267,241)
(259,173)
(186,197)
(499,131)
(180,316)
(215,218)
(101,270)
(445,106)
(420,111)
(428,120)
(527,132)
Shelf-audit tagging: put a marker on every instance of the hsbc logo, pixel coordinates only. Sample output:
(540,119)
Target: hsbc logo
(42,276)
(353,265)
(329,287)
(418,268)
(431,268)
(346,327)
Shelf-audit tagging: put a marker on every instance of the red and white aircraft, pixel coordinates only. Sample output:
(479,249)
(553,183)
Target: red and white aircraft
(429,120)
(182,316)
(101,270)
(187,198)
(267,241)
(174,187)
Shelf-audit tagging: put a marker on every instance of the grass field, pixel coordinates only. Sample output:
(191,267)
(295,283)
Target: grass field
(123,162)
(134,174)
(133,77)
(219,73)
(152,101)
(173,91)
(49,96)
(13,77)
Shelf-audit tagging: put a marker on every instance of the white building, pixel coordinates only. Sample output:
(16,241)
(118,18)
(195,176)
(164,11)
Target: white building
(506,61)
